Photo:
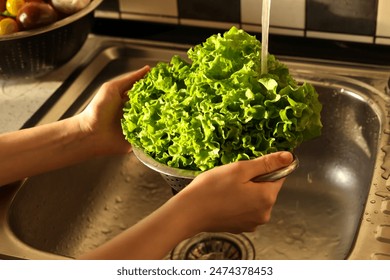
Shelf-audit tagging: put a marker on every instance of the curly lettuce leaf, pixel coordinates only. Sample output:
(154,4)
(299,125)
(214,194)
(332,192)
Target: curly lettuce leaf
(219,108)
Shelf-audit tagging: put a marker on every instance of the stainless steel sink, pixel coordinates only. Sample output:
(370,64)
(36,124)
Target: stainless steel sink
(335,206)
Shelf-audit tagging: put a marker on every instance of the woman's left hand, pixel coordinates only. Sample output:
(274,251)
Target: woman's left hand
(101,118)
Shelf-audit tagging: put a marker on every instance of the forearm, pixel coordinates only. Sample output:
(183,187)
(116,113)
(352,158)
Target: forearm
(32,151)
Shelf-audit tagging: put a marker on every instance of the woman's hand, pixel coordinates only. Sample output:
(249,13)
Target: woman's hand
(224,198)
(101,118)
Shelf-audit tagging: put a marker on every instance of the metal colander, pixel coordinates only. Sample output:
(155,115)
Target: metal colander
(177,178)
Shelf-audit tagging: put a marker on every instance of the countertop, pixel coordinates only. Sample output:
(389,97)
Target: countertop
(21,98)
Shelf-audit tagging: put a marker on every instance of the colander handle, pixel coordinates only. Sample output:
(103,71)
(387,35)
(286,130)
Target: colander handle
(278,174)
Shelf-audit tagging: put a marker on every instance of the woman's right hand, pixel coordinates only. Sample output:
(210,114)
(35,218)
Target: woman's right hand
(225,198)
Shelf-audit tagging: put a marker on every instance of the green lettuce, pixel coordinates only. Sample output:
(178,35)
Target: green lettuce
(218,108)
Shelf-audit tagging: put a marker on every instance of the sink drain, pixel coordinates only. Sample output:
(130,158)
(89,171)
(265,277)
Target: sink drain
(215,246)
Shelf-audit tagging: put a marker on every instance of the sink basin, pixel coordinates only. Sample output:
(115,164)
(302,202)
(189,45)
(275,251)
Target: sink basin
(334,206)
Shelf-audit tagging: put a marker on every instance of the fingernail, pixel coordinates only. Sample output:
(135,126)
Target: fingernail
(286,157)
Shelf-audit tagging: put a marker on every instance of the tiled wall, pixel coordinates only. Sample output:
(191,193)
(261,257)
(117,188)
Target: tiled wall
(366,21)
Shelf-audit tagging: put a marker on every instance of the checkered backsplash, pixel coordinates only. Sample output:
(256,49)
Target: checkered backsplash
(365,21)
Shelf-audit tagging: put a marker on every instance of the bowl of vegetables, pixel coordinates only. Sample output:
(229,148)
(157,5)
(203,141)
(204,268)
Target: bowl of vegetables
(38,36)
(216,107)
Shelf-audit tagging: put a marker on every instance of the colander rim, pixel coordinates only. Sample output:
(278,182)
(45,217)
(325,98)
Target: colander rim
(163,168)
(191,174)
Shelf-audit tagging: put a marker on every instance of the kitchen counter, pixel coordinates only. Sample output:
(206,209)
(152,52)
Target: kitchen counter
(21,98)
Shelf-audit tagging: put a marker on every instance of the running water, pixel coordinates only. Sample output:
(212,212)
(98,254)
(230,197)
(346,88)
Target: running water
(264,34)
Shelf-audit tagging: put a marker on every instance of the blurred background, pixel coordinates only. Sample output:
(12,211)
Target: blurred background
(306,24)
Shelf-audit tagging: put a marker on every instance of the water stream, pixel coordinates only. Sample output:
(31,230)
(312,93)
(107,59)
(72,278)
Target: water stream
(264,35)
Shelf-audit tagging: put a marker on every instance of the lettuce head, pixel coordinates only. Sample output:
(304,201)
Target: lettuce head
(215,107)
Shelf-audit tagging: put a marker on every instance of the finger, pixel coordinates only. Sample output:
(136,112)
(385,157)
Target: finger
(269,163)
(125,82)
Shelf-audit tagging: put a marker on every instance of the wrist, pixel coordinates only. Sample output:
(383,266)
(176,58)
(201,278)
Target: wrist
(189,213)
(76,140)
(86,136)
(103,137)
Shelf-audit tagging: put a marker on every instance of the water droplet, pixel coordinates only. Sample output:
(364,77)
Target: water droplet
(368,219)
(309,178)
(288,240)
(386,163)
(372,201)
(106,230)
(383,194)
(297,232)
(118,199)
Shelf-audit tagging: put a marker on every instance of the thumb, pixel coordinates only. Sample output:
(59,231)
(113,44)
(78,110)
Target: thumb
(125,82)
(270,163)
